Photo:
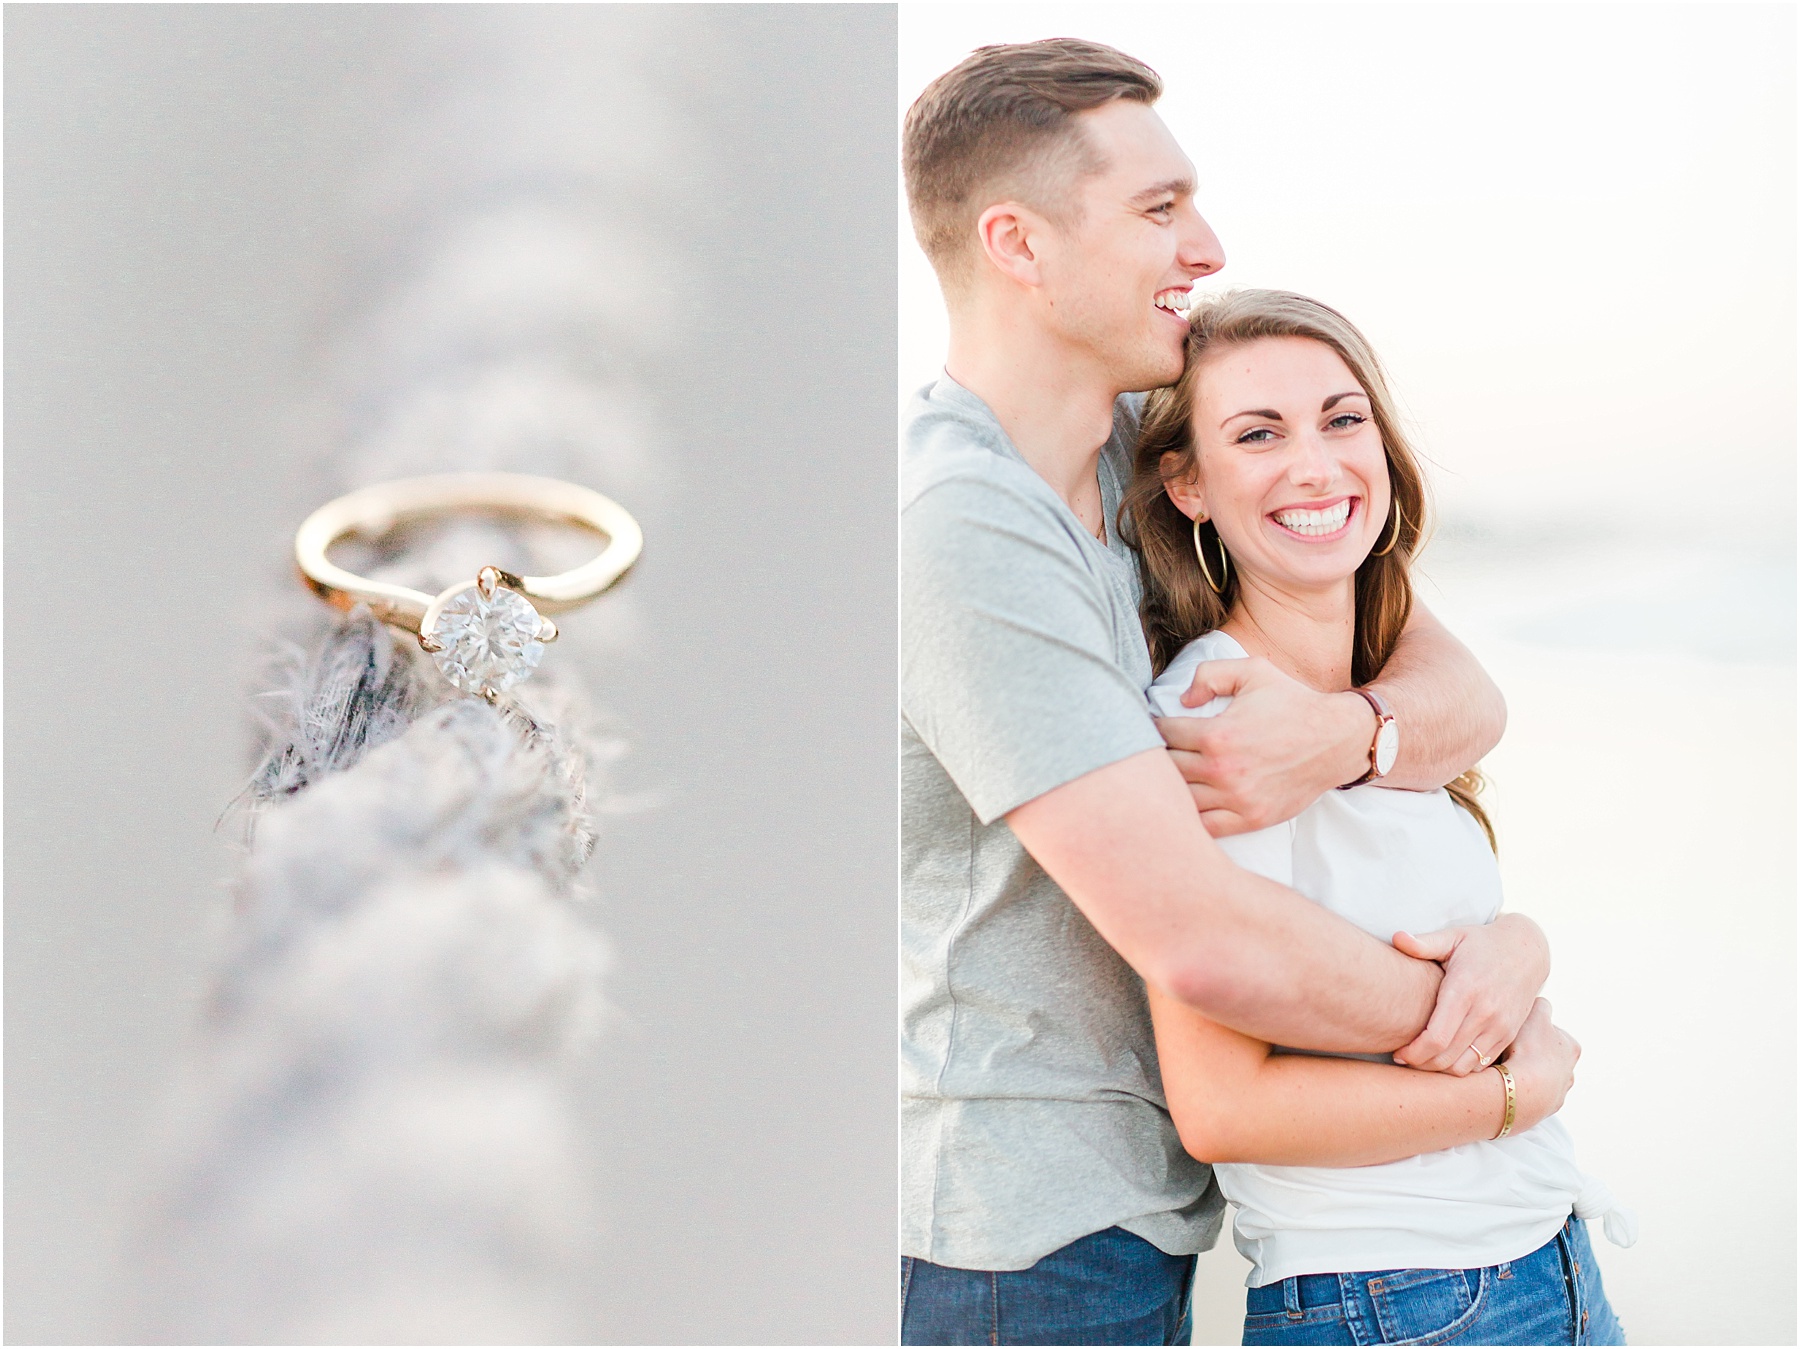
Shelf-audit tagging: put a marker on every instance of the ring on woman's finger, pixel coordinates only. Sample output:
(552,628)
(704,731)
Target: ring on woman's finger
(1485,1060)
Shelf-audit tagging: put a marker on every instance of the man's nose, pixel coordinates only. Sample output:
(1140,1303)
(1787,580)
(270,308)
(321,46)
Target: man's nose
(1200,252)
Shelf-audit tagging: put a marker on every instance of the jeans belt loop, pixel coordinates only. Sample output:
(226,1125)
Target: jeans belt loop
(1290,1297)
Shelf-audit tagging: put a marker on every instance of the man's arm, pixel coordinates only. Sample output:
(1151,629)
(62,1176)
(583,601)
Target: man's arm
(1434,683)
(1280,745)
(1010,678)
(1125,845)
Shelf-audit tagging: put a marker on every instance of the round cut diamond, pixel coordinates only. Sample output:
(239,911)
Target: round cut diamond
(487,642)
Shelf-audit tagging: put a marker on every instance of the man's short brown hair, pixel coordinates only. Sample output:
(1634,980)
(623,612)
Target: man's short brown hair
(1002,124)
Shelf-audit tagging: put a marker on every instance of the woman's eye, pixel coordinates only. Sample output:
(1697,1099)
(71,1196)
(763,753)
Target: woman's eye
(1259,436)
(1346,419)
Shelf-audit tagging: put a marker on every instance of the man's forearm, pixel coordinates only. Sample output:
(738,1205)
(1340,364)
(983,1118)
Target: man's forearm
(1281,744)
(1450,713)
(1124,844)
(1283,969)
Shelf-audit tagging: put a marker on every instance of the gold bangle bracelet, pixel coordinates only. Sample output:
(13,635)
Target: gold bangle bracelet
(486,634)
(1512,1100)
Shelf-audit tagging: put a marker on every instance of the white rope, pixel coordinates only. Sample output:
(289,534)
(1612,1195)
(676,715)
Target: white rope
(379,1144)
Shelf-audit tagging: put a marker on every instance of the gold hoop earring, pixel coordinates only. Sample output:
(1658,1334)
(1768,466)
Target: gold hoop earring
(1399,523)
(1217,587)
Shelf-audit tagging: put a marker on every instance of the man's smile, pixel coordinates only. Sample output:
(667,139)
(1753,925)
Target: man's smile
(1175,301)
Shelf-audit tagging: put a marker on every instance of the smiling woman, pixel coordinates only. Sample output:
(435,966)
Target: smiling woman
(1280,443)
(1346,1175)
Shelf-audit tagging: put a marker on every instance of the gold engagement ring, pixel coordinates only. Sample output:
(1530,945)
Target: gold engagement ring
(486,634)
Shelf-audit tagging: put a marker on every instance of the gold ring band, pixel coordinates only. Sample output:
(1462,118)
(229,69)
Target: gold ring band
(493,637)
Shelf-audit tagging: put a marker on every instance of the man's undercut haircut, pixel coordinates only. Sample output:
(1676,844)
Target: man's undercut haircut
(1001,126)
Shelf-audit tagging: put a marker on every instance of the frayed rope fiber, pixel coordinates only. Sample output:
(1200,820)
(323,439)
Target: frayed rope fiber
(366,687)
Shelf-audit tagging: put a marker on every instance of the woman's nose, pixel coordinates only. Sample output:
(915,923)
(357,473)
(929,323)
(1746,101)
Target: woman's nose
(1313,464)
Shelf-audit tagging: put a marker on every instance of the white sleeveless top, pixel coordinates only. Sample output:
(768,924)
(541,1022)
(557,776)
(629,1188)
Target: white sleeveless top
(1391,861)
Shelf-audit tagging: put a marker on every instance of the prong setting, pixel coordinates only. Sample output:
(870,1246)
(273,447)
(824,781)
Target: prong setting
(547,631)
(484,635)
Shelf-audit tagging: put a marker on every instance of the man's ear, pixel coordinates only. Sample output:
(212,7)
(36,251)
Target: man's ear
(1010,235)
(1183,489)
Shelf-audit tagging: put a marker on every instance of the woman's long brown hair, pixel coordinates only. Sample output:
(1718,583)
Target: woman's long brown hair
(1178,604)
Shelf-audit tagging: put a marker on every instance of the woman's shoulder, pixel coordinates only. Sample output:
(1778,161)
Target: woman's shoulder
(1165,692)
(1215,645)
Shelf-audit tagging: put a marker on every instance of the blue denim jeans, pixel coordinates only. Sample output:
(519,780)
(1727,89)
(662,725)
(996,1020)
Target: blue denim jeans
(1552,1296)
(1108,1288)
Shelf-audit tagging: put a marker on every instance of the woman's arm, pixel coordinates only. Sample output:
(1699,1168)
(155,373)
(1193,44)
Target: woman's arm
(1234,1101)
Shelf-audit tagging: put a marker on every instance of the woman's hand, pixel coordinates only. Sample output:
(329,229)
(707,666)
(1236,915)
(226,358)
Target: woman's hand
(1492,974)
(1542,1061)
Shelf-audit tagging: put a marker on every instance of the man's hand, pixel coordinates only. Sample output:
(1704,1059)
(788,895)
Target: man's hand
(1277,749)
(1492,974)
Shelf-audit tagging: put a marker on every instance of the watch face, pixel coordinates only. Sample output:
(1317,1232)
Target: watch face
(1387,747)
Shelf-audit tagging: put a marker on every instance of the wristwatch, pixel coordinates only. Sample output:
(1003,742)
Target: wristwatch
(1386,746)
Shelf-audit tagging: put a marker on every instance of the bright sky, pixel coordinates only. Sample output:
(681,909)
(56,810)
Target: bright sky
(1568,230)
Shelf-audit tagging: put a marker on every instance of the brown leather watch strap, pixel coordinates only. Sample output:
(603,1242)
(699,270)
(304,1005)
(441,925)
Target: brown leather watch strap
(1382,718)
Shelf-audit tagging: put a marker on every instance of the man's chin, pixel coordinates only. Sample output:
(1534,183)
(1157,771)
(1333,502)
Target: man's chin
(1156,374)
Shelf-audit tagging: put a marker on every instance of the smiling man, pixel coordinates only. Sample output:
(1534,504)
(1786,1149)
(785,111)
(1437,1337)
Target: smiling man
(1055,852)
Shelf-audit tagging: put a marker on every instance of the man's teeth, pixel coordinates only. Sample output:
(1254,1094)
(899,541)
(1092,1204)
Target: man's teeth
(1175,301)
(1327,521)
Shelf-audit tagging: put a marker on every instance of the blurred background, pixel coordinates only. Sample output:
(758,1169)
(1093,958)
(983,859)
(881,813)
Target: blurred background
(203,203)
(1569,232)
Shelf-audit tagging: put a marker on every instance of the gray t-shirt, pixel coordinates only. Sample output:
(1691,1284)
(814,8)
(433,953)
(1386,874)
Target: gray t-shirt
(1032,1111)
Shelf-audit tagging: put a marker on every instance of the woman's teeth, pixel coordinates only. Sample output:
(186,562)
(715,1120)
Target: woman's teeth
(1327,521)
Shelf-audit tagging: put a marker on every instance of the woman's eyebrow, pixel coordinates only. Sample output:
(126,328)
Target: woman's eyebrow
(1263,414)
(1337,398)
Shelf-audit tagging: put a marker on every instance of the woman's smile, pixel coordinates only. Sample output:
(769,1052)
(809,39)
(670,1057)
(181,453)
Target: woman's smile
(1322,522)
